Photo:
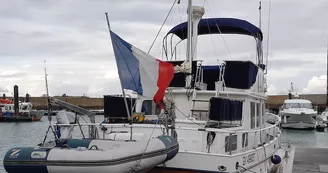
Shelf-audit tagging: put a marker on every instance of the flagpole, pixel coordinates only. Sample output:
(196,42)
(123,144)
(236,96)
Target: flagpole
(125,101)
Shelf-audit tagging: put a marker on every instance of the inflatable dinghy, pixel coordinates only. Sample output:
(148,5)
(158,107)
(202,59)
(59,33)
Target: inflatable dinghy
(90,155)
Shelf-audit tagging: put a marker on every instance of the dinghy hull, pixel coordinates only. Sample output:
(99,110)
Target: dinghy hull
(101,156)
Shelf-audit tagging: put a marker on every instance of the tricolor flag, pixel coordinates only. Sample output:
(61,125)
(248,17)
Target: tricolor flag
(139,71)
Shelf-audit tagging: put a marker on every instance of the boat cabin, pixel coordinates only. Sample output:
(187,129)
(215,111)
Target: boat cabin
(297,103)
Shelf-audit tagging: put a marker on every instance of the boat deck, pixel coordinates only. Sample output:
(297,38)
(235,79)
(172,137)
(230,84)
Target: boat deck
(307,160)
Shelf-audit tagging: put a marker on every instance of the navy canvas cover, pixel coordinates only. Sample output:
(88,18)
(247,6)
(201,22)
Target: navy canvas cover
(211,75)
(225,109)
(219,26)
(240,74)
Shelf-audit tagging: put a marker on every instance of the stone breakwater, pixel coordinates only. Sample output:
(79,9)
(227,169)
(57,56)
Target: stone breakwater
(84,102)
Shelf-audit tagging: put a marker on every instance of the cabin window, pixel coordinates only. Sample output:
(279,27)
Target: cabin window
(230,143)
(149,107)
(24,108)
(263,114)
(258,114)
(245,140)
(252,115)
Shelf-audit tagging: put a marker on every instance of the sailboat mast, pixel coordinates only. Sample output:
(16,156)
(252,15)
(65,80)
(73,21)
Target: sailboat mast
(45,78)
(47,90)
(189,43)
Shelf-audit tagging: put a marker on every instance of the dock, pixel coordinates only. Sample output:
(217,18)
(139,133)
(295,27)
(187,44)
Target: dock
(306,160)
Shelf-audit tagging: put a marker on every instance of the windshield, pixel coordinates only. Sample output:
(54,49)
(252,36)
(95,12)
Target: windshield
(298,105)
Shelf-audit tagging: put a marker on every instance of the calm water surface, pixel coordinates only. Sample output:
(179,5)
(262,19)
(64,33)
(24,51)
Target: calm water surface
(32,133)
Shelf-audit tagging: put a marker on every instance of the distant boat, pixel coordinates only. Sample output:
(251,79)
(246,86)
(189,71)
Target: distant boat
(25,112)
(298,114)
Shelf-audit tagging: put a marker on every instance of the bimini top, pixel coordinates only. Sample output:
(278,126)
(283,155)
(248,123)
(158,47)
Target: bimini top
(219,25)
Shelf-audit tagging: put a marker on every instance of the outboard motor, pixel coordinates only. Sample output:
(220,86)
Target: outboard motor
(65,117)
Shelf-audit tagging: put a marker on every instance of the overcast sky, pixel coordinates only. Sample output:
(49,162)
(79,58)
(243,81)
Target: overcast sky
(72,36)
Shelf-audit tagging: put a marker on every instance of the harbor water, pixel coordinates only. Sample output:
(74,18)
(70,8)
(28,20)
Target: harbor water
(32,133)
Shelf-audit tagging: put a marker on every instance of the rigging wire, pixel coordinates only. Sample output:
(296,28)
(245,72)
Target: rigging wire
(225,43)
(183,113)
(135,75)
(169,21)
(138,163)
(162,25)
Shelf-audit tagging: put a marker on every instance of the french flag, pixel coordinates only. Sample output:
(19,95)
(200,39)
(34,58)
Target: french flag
(139,71)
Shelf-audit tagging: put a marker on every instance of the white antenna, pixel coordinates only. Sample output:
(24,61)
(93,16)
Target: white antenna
(189,43)
(45,77)
(267,51)
(260,14)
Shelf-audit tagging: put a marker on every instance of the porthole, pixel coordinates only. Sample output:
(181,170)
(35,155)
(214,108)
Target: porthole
(222,168)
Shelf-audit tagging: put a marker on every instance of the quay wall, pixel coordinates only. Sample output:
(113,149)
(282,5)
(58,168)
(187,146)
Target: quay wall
(84,102)
(273,102)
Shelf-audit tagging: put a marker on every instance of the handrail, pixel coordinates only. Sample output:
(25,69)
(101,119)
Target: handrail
(182,128)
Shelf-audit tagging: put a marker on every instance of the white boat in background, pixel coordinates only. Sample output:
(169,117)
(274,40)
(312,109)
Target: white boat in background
(298,114)
(323,116)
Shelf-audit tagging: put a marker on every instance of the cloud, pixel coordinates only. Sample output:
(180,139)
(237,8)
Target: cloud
(317,85)
(271,90)
(72,36)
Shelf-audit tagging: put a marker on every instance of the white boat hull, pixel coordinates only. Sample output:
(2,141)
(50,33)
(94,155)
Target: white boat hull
(253,161)
(299,125)
(192,152)
(298,120)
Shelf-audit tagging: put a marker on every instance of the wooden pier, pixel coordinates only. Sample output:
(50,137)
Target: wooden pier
(306,160)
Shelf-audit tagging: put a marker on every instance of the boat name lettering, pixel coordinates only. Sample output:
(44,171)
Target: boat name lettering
(249,159)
